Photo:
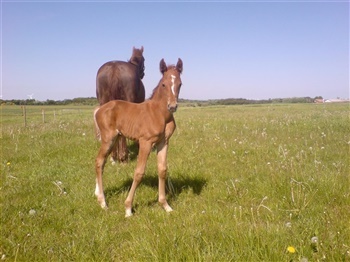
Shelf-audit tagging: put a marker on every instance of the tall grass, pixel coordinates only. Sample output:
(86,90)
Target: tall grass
(247,183)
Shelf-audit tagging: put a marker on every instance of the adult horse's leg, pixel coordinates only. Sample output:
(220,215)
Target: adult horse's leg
(145,149)
(122,150)
(162,149)
(114,156)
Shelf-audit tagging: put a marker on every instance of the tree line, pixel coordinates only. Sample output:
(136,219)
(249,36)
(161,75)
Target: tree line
(86,101)
(228,101)
(243,101)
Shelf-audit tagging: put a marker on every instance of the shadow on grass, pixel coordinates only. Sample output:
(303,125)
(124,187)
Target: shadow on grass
(133,148)
(174,186)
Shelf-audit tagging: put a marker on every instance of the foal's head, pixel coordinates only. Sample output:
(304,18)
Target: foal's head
(171,83)
(138,60)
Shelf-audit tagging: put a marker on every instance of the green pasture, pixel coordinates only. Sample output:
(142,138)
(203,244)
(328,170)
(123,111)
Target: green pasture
(247,183)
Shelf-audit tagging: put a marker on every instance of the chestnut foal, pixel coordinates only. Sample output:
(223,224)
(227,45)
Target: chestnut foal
(151,123)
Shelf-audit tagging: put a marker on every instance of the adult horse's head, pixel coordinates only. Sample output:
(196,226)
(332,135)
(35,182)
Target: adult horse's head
(138,60)
(171,82)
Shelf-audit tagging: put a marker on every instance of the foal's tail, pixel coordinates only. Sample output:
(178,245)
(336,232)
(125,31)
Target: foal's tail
(97,129)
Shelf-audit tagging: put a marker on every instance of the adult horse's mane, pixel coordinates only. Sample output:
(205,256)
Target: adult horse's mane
(137,60)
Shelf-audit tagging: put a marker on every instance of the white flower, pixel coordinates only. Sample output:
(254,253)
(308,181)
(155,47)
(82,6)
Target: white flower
(314,240)
(289,224)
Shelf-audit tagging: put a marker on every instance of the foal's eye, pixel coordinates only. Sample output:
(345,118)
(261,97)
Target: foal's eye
(163,85)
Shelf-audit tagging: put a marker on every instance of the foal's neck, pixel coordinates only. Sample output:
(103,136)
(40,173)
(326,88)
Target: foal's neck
(159,102)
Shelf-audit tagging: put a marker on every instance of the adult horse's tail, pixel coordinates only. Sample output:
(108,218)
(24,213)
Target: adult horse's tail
(97,129)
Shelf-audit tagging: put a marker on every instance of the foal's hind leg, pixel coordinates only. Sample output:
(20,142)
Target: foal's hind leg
(145,149)
(103,153)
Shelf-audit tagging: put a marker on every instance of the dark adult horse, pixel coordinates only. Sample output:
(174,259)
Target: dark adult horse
(119,80)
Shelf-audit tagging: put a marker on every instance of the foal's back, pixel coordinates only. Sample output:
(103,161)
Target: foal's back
(134,121)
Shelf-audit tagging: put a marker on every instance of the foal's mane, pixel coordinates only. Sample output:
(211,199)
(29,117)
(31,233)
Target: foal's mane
(169,67)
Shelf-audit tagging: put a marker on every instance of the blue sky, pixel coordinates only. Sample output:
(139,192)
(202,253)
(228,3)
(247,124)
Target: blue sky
(239,49)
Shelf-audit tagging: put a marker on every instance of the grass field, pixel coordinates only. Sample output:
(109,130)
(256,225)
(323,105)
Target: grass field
(247,183)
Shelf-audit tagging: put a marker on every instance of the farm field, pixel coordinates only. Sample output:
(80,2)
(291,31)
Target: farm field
(247,183)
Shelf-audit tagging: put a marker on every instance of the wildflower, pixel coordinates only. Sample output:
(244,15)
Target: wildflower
(8,163)
(32,212)
(314,244)
(291,249)
(289,224)
(314,240)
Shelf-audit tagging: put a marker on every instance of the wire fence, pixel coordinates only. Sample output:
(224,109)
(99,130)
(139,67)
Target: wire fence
(34,114)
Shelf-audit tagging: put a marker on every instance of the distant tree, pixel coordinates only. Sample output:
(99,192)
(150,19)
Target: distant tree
(50,102)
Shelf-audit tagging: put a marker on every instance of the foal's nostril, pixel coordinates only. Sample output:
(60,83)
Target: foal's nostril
(172,108)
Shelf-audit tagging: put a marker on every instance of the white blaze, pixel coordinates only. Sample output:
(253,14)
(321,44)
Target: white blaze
(173,86)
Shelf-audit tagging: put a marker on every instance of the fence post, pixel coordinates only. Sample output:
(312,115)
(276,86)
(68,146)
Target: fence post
(24,115)
(43,113)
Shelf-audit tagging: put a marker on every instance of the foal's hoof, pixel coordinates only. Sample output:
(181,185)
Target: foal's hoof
(168,209)
(128,213)
(103,205)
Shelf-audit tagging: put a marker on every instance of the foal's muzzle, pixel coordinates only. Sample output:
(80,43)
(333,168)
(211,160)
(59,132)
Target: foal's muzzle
(172,107)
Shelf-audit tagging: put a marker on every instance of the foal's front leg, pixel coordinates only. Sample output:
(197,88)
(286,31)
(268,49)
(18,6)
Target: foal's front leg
(162,150)
(145,149)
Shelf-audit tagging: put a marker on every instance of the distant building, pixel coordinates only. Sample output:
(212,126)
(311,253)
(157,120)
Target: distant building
(321,100)
(336,100)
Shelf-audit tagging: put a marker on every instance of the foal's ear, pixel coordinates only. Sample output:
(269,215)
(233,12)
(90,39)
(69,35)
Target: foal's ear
(162,66)
(179,65)
(141,49)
